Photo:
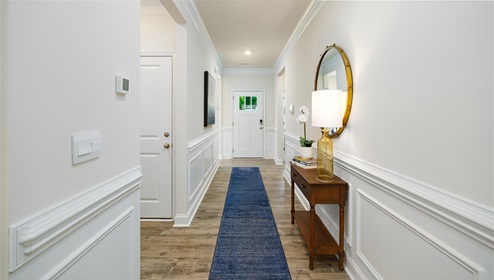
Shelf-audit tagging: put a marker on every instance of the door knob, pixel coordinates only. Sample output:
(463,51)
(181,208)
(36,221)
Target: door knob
(166,146)
(166,134)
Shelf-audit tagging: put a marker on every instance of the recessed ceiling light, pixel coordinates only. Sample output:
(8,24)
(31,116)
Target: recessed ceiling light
(245,64)
(248,52)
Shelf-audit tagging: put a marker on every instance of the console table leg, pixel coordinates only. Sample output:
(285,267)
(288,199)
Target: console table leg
(312,252)
(341,260)
(342,237)
(293,201)
(311,260)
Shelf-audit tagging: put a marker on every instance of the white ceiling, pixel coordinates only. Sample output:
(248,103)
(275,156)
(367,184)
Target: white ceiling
(261,26)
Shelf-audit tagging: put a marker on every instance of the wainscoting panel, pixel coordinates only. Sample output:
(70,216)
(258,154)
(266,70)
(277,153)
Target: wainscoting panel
(269,142)
(227,149)
(81,233)
(398,228)
(203,163)
(402,229)
(378,228)
(196,174)
(114,236)
(292,148)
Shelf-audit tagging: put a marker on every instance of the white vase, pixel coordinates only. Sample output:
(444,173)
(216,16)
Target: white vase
(306,152)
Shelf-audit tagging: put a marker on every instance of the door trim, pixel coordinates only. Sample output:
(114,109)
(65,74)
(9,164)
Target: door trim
(263,92)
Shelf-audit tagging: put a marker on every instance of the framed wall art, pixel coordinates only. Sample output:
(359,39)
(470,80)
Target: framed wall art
(209,99)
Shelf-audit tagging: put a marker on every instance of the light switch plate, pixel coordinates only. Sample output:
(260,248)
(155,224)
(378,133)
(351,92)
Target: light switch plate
(86,145)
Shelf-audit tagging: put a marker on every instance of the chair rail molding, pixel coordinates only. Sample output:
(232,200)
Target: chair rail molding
(35,235)
(471,219)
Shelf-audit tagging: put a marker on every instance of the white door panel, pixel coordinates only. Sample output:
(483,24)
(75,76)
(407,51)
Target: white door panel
(248,124)
(156,119)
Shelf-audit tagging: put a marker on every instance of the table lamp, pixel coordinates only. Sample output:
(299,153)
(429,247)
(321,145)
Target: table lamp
(327,112)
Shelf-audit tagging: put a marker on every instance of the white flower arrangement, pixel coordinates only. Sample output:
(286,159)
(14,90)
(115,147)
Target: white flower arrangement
(302,118)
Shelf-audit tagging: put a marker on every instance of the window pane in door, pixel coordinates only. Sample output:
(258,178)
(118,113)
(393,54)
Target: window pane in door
(241,102)
(254,102)
(248,103)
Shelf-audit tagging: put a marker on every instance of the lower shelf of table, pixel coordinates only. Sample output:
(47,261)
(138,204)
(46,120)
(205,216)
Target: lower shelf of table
(324,243)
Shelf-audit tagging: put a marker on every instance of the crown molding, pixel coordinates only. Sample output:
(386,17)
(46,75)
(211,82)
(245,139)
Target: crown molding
(190,7)
(306,19)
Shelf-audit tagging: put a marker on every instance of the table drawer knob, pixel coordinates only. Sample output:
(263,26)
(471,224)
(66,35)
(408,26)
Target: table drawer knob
(302,185)
(294,175)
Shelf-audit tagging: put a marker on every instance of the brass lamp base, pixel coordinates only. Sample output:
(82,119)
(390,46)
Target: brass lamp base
(325,157)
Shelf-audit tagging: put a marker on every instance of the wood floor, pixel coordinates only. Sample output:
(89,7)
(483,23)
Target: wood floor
(187,253)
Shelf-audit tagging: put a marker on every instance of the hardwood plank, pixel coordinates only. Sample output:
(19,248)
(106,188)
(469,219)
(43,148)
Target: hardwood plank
(187,253)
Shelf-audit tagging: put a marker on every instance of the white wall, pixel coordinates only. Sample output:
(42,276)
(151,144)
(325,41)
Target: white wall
(414,118)
(62,58)
(199,59)
(3,185)
(158,29)
(279,109)
(195,146)
(245,79)
(418,150)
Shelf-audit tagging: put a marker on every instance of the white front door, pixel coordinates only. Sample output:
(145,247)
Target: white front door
(156,137)
(248,124)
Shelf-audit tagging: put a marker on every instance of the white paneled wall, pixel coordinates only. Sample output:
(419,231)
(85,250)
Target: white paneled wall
(390,213)
(398,228)
(227,149)
(269,142)
(202,164)
(96,233)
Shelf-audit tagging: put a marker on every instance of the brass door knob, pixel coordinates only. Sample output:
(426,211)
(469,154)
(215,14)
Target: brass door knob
(166,146)
(166,134)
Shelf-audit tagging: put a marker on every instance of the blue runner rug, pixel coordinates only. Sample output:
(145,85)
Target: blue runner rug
(248,245)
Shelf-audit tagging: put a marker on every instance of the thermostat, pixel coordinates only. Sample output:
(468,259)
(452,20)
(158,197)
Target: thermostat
(122,85)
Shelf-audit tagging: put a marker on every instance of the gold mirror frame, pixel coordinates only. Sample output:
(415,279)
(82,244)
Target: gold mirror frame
(349,79)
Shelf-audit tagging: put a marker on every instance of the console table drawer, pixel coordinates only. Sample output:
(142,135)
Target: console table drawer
(301,184)
(318,192)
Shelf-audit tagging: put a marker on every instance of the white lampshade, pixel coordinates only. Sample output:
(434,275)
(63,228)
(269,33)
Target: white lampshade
(327,108)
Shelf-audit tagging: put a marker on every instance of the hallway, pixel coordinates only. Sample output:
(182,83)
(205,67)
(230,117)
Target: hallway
(186,253)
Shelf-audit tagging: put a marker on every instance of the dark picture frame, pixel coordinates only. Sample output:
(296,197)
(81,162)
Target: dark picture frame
(209,99)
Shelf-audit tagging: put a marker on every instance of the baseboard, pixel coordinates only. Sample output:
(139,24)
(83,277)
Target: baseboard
(278,161)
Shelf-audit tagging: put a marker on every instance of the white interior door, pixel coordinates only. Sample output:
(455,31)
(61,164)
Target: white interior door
(248,126)
(156,137)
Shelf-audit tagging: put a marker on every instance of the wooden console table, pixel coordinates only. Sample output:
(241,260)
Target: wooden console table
(316,236)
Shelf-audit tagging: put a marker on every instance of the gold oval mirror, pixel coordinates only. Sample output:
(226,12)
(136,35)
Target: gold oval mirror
(334,73)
